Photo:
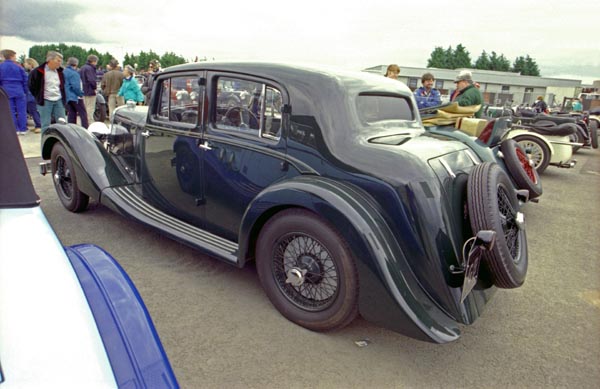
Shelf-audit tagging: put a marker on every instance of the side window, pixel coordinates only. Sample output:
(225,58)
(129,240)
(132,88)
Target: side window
(179,100)
(248,107)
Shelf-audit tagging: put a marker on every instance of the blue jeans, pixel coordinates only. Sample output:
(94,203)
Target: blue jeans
(51,109)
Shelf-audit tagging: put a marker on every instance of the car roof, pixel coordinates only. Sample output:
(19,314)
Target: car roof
(15,181)
(312,74)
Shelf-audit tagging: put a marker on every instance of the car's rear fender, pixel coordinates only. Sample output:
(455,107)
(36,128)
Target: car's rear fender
(94,167)
(390,295)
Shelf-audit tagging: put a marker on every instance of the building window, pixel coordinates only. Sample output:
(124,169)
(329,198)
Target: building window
(528,90)
(412,83)
(439,84)
(505,88)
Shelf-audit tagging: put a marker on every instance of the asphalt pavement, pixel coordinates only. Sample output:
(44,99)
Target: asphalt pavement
(219,329)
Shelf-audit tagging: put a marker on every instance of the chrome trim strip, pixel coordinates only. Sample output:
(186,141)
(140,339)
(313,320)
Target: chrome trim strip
(222,247)
(447,167)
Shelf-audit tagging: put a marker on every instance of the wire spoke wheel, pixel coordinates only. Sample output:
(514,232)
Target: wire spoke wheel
(493,205)
(62,178)
(307,270)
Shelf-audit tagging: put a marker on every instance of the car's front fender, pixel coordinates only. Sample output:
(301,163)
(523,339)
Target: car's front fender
(390,294)
(94,167)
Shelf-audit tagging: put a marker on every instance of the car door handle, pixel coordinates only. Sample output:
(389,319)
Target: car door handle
(205,145)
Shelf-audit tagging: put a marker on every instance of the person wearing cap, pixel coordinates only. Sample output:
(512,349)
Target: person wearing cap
(392,71)
(74,94)
(130,90)
(467,94)
(427,95)
(110,85)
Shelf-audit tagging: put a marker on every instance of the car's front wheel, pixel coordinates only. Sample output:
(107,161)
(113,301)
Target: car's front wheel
(307,270)
(65,180)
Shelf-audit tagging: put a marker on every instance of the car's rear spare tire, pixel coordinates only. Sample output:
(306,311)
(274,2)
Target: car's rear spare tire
(493,205)
(521,169)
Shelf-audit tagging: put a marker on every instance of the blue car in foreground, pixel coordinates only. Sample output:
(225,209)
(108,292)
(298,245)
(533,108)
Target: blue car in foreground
(69,316)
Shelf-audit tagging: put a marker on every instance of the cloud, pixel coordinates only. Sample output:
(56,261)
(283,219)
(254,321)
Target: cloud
(44,21)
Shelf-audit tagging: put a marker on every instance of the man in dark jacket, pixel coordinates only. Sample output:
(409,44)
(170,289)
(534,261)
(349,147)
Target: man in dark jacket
(89,85)
(468,94)
(47,85)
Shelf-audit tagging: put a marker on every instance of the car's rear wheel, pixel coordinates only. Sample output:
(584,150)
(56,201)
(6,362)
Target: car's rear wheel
(520,168)
(307,270)
(65,180)
(493,205)
(537,151)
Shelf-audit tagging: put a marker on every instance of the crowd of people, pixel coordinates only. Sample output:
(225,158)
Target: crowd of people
(66,92)
(467,91)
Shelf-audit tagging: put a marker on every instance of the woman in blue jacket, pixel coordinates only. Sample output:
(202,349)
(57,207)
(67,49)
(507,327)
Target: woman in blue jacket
(130,90)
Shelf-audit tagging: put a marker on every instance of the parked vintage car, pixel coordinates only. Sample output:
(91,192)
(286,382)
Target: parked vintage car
(69,316)
(327,179)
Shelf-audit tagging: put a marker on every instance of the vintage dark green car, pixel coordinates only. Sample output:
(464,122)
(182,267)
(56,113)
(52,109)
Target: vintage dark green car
(327,179)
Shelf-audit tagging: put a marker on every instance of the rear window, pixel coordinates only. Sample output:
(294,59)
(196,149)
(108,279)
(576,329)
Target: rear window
(378,108)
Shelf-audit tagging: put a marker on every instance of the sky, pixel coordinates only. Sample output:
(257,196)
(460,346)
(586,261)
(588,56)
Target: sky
(561,36)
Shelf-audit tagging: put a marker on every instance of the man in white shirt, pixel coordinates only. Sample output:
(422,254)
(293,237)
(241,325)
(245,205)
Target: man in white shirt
(47,84)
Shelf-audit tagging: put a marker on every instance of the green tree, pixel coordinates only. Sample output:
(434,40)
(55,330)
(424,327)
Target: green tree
(483,62)
(171,59)
(531,68)
(437,59)
(38,52)
(461,57)
(499,62)
(518,65)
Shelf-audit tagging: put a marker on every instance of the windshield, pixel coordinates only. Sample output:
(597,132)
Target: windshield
(373,108)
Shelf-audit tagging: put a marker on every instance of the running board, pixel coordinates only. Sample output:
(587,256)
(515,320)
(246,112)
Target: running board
(128,202)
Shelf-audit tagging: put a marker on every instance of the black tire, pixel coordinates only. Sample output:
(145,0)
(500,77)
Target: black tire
(326,296)
(65,181)
(536,150)
(493,205)
(594,133)
(100,112)
(523,173)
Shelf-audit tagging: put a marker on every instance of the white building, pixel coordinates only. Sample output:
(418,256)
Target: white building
(497,87)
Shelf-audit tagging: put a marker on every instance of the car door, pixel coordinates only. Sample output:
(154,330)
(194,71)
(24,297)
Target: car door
(172,162)
(243,150)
